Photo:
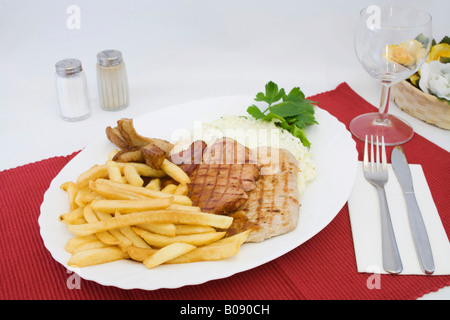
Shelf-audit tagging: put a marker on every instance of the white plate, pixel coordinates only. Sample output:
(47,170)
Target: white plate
(333,151)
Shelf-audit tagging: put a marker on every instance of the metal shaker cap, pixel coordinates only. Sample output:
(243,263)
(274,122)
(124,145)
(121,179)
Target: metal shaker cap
(68,67)
(108,58)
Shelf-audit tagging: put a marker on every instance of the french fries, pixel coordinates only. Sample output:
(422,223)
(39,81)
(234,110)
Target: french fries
(73,216)
(104,236)
(219,250)
(143,169)
(160,241)
(152,216)
(209,253)
(165,229)
(114,172)
(170,188)
(104,185)
(129,206)
(175,172)
(182,189)
(96,256)
(154,184)
(192,229)
(95,172)
(113,216)
(132,236)
(132,176)
(75,242)
(140,254)
(167,253)
(72,191)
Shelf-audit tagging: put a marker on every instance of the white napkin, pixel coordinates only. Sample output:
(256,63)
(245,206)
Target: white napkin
(366,226)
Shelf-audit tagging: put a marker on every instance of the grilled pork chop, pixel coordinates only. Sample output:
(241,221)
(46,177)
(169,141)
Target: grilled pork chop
(220,183)
(272,207)
(221,188)
(259,188)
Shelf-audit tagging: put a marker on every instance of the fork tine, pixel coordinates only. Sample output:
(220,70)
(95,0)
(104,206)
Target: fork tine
(378,155)
(366,155)
(371,153)
(383,154)
(377,160)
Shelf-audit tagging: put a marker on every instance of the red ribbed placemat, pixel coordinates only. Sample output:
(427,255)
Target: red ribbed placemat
(322,268)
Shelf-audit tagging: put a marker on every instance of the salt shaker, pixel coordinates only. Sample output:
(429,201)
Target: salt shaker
(72,90)
(112,80)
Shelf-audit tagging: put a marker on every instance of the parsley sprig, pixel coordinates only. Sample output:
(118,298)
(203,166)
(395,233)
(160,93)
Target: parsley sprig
(293,113)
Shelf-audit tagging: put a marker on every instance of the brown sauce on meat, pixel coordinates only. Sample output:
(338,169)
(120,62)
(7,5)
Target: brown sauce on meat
(240,223)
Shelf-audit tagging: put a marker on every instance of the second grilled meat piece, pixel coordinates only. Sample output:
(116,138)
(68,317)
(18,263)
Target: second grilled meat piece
(273,206)
(189,159)
(221,188)
(221,180)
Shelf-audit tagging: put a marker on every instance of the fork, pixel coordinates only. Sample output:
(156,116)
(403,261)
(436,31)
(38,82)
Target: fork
(377,174)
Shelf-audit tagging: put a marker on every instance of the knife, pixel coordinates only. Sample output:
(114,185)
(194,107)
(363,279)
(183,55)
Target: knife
(418,230)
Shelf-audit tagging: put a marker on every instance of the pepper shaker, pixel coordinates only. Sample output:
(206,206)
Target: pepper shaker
(72,90)
(112,80)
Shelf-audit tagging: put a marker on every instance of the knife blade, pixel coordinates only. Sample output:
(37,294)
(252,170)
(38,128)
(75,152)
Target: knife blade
(417,226)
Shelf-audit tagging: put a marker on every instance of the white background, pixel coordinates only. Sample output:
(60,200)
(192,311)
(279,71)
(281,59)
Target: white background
(177,51)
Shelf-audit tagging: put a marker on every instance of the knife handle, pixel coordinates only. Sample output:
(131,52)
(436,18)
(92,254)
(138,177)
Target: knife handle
(391,257)
(420,234)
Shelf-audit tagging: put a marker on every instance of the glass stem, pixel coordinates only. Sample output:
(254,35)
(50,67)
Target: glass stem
(383,111)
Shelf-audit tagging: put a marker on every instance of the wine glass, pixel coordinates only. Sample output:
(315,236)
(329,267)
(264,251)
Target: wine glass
(391,43)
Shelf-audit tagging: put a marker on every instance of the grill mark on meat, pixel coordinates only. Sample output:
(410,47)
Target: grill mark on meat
(228,185)
(260,194)
(217,186)
(272,202)
(260,203)
(285,188)
(220,188)
(273,207)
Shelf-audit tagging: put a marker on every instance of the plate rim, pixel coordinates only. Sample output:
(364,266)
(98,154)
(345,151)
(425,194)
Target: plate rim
(226,272)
